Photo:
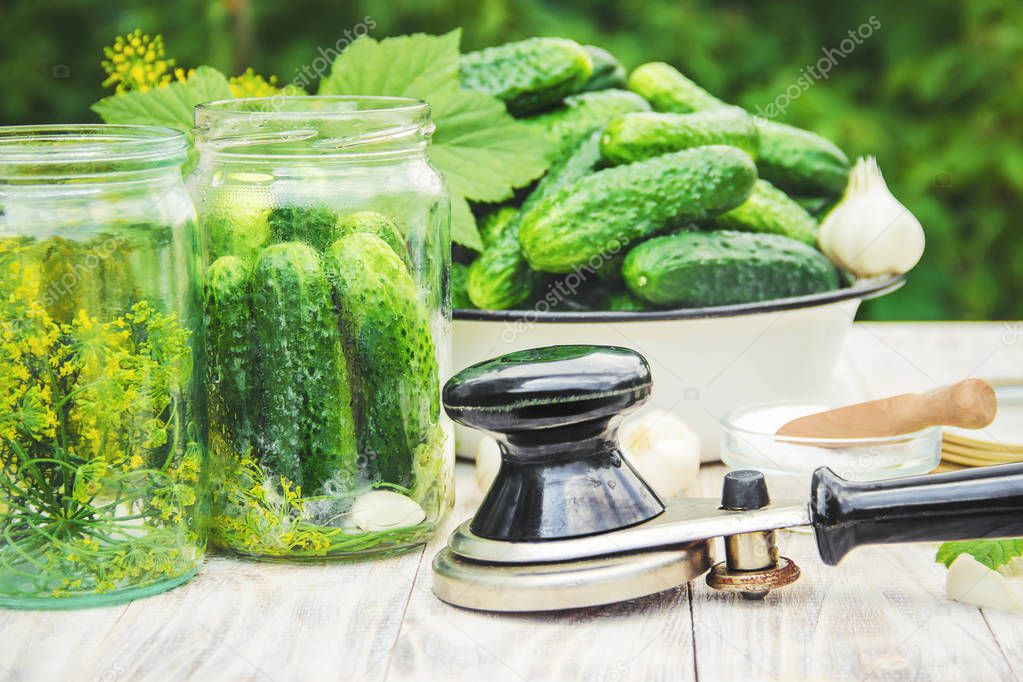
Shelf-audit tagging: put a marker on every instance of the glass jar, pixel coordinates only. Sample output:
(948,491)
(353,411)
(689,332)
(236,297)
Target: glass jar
(102,490)
(327,313)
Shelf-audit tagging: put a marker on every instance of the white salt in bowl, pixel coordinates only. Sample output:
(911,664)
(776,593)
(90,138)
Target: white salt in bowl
(749,441)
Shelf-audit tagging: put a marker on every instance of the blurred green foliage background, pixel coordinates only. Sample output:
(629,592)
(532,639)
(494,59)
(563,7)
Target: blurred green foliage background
(934,93)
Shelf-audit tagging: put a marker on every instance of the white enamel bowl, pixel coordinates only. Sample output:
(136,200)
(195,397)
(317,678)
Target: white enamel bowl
(705,361)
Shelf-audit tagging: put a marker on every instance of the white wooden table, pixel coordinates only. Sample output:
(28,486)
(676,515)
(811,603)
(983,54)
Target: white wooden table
(881,614)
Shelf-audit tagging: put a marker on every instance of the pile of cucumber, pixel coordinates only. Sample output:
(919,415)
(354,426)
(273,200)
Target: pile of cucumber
(662,195)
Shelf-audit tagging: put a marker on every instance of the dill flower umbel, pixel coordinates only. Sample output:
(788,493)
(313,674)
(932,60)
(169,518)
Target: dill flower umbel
(251,84)
(136,62)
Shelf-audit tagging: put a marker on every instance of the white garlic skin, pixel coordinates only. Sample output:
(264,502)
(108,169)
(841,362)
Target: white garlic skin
(971,582)
(380,510)
(869,232)
(663,449)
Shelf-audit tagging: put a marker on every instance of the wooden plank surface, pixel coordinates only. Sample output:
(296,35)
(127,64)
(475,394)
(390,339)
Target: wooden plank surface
(881,614)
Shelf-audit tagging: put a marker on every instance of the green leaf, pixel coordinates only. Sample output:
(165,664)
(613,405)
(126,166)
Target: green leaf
(483,153)
(991,553)
(463,224)
(170,106)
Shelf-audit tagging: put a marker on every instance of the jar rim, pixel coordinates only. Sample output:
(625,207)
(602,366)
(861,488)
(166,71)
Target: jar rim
(46,152)
(278,105)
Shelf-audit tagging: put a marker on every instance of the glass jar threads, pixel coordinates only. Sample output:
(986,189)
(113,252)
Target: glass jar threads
(327,322)
(102,487)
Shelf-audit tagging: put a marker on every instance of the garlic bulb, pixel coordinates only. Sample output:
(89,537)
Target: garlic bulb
(663,449)
(971,582)
(488,461)
(380,510)
(869,233)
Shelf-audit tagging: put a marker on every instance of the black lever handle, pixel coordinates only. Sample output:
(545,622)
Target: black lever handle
(960,505)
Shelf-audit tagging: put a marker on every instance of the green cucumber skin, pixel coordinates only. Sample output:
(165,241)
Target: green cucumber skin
(794,160)
(602,212)
(387,333)
(501,278)
(608,72)
(640,136)
(379,224)
(768,209)
(566,125)
(801,162)
(308,430)
(231,378)
(528,75)
(668,90)
(698,269)
(315,226)
(459,296)
(492,225)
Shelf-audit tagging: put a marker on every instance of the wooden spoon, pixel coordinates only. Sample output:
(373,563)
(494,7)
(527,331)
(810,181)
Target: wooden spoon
(970,404)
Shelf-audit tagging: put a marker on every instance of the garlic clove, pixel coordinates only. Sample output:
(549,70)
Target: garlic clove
(488,461)
(971,582)
(663,449)
(380,510)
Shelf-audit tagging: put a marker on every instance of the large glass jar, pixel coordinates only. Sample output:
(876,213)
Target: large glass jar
(102,490)
(327,317)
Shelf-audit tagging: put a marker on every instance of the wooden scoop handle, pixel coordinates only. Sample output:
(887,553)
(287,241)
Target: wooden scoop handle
(970,404)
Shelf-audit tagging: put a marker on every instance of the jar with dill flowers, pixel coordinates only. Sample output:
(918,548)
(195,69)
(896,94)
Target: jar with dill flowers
(103,493)
(327,324)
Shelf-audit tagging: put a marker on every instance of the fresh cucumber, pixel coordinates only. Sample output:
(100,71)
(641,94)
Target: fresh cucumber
(604,212)
(492,225)
(569,123)
(638,136)
(501,278)
(528,75)
(231,378)
(387,332)
(608,72)
(795,160)
(768,209)
(308,431)
(315,225)
(697,269)
(459,296)
(379,224)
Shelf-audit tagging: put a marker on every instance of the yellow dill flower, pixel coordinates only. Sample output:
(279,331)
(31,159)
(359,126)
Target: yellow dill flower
(251,84)
(136,62)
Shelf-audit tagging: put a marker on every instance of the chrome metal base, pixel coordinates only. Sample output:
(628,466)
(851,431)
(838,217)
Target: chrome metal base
(566,584)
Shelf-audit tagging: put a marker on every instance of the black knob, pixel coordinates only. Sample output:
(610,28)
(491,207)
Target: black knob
(555,413)
(745,489)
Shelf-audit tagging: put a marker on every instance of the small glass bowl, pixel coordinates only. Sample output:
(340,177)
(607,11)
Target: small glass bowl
(749,441)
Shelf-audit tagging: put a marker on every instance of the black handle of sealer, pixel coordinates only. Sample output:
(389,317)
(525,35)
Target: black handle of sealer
(962,505)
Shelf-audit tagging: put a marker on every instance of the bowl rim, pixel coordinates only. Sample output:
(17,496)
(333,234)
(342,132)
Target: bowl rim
(862,290)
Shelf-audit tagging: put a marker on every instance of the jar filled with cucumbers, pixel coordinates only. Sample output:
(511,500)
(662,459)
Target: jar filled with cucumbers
(103,491)
(326,310)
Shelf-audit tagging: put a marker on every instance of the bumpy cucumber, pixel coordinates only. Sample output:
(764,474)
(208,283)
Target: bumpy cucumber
(236,224)
(501,278)
(492,225)
(308,430)
(801,162)
(602,212)
(718,268)
(566,125)
(528,75)
(316,226)
(793,159)
(608,72)
(231,379)
(668,90)
(768,209)
(372,222)
(459,296)
(387,332)
(634,137)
